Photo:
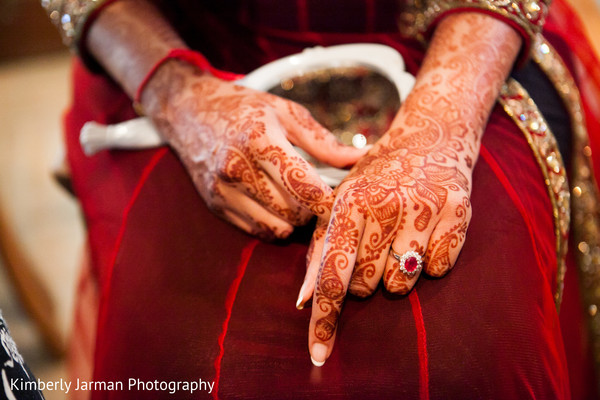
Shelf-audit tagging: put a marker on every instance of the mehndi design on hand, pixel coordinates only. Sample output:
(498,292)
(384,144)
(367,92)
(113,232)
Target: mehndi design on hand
(411,192)
(237,146)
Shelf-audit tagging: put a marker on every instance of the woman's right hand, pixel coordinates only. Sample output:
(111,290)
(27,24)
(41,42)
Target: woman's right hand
(236,144)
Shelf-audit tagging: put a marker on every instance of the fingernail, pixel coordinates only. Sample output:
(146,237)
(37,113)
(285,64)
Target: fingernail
(299,304)
(318,354)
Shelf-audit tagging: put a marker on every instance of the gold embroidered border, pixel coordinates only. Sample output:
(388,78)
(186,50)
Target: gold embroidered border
(585,194)
(520,107)
(69,17)
(530,15)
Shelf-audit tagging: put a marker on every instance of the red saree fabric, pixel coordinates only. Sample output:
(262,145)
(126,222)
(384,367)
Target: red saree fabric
(185,296)
(186,302)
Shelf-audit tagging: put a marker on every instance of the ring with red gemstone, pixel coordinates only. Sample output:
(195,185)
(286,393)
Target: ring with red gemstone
(410,262)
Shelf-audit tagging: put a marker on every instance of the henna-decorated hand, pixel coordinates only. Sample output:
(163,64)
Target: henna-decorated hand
(404,195)
(411,191)
(236,144)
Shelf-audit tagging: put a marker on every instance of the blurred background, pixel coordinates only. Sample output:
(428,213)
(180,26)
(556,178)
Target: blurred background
(41,230)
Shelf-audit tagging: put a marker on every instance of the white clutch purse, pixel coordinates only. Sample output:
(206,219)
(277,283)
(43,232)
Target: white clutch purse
(342,66)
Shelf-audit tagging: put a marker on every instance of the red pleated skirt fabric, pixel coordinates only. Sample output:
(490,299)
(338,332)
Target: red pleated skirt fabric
(187,297)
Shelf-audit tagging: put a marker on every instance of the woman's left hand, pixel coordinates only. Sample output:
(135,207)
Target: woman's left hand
(404,197)
(405,206)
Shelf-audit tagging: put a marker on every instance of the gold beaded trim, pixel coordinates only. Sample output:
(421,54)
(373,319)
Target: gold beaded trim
(585,203)
(69,17)
(520,107)
(527,14)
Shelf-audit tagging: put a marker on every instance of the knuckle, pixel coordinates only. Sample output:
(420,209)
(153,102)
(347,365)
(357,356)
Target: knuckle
(456,199)
(364,280)
(294,216)
(267,236)
(457,209)
(221,169)
(213,190)
(398,287)
(396,282)
(438,270)
(359,290)
(283,234)
(213,198)
(280,231)
(299,110)
(233,169)
(270,235)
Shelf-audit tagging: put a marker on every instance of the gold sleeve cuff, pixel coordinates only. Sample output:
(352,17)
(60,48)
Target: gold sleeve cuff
(527,16)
